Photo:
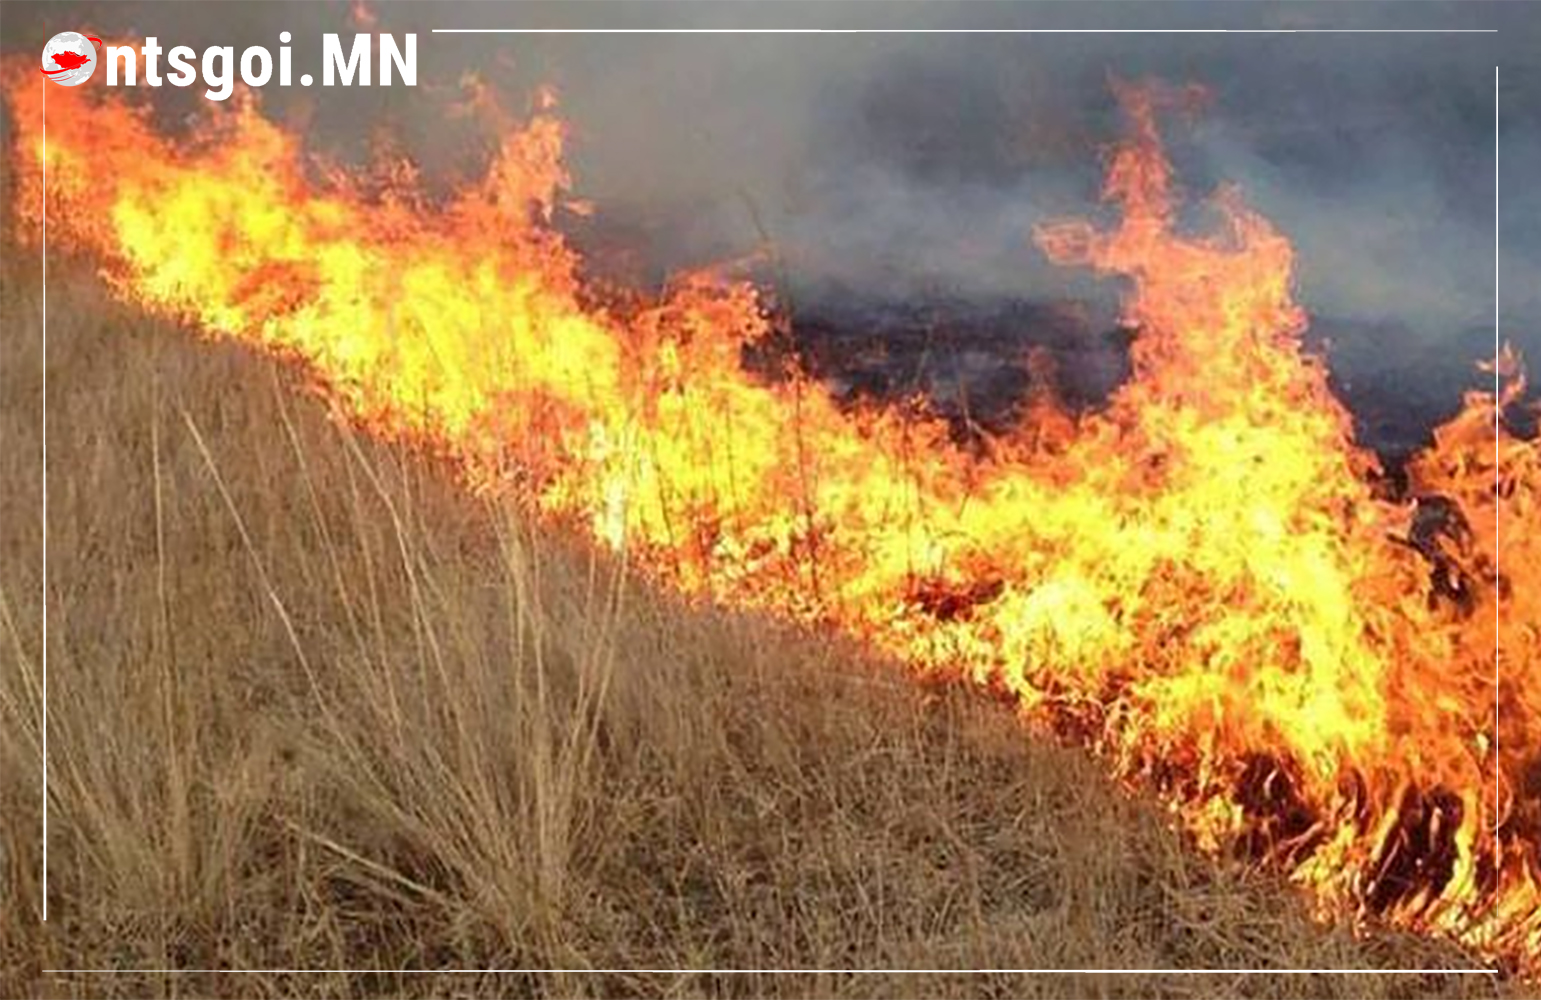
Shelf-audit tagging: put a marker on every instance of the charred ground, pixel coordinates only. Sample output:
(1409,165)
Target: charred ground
(311,707)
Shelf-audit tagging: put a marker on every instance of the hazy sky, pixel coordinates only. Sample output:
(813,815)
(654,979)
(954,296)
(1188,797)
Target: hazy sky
(899,164)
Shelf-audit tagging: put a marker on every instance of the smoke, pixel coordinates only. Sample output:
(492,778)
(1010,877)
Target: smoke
(899,166)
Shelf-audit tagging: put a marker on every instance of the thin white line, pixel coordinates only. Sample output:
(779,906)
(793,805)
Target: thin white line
(772,972)
(803,972)
(965,31)
(45,500)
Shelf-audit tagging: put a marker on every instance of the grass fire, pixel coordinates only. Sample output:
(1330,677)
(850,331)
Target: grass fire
(1320,671)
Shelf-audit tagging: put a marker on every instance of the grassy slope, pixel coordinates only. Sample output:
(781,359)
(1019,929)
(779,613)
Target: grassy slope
(312,707)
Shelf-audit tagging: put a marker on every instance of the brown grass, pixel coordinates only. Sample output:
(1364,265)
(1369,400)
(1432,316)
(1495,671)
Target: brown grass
(310,707)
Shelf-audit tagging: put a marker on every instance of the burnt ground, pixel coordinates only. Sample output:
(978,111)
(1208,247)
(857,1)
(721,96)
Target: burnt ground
(973,358)
(975,362)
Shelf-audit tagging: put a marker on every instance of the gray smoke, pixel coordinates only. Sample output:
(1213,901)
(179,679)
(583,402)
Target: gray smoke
(912,165)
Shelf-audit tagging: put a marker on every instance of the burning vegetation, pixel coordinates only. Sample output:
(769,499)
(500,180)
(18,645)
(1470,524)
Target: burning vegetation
(1204,579)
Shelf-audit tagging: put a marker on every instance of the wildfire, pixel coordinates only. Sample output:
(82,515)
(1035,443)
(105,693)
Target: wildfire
(1197,579)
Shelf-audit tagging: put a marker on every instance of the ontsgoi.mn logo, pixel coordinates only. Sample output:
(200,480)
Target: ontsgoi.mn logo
(69,58)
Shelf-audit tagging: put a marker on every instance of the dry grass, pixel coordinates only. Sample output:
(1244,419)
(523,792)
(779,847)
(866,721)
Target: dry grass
(311,707)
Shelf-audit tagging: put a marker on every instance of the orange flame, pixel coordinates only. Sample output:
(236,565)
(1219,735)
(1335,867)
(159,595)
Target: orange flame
(1198,580)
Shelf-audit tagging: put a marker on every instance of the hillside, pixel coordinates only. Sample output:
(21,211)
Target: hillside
(311,706)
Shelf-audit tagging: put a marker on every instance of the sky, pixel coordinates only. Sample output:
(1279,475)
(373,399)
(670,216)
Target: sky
(907,165)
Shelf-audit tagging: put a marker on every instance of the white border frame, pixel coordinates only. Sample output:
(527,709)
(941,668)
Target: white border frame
(1497,388)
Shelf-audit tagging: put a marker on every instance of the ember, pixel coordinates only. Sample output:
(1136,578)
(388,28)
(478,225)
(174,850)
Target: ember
(67,61)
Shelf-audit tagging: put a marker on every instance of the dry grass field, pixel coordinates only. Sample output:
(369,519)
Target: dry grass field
(312,707)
